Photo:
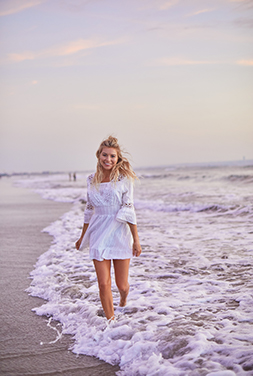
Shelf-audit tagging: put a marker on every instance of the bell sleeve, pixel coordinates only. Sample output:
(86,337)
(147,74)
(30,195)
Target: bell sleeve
(127,211)
(89,209)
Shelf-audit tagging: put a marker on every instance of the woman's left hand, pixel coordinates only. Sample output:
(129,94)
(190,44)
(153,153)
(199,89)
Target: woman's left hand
(136,249)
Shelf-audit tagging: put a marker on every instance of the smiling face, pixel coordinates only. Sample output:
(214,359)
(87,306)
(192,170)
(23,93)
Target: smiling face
(108,158)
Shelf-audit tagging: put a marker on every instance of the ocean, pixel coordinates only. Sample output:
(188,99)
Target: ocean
(190,306)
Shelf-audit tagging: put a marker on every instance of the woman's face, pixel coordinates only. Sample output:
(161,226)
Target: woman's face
(108,158)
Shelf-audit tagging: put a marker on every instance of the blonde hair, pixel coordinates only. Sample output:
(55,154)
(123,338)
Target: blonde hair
(122,167)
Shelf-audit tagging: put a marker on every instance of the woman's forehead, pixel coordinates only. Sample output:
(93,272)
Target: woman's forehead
(108,150)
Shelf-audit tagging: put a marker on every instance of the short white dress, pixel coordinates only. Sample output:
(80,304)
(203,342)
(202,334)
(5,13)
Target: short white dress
(109,207)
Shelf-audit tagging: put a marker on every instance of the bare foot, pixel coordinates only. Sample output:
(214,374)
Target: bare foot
(111,319)
(122,302)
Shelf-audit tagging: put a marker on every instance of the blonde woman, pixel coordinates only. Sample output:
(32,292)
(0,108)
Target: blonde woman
(110,222)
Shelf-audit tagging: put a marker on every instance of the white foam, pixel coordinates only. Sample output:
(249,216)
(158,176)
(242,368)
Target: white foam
(189,310)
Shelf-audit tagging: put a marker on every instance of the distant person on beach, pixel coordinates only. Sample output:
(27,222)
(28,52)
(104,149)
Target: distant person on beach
(110,222)
(74,176)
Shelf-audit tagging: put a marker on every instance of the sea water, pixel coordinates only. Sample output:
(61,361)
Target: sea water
(190,306)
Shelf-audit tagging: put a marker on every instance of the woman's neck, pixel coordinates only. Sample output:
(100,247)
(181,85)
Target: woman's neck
(106,177)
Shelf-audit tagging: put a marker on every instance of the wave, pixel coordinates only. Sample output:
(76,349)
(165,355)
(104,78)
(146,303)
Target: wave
(194,208)
(240,178)
(63,191)
(179,308)
(155,176)
(234,178)
(55,187)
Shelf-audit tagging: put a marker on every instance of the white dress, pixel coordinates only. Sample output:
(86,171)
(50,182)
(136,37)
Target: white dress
(109,207)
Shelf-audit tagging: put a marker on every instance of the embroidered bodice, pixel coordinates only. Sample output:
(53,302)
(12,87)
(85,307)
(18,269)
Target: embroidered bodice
(116,197)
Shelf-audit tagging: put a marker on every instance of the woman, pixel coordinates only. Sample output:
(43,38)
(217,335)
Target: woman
(110,222)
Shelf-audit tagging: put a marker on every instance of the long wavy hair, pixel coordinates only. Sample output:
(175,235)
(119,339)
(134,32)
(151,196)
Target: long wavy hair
(122,167)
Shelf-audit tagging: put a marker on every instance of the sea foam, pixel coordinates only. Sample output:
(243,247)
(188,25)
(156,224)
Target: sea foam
(189,310)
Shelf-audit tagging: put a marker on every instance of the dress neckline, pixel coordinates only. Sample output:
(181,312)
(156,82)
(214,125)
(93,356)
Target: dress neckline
(120,178)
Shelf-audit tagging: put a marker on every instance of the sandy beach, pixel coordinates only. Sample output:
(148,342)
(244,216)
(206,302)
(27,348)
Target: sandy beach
(25,347)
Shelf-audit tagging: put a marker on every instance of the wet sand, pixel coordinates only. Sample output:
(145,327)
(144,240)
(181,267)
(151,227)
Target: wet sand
(23,214)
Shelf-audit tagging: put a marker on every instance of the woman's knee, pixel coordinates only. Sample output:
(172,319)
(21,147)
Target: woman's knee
(121,268)
(123,286)
(104,286)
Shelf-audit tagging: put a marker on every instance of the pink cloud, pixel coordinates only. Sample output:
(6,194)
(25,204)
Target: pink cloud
(245,62)
(70,48)
(200,12)
(8,7)
(180,61)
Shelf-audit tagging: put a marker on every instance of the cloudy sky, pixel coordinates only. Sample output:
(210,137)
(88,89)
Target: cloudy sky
(172,79)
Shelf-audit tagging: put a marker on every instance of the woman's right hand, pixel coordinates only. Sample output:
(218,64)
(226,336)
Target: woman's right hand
(78,243)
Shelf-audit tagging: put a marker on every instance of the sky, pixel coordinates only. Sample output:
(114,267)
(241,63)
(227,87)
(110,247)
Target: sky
(171,79)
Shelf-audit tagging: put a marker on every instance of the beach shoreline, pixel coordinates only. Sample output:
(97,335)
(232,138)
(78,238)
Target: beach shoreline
(189,306)
(25,347)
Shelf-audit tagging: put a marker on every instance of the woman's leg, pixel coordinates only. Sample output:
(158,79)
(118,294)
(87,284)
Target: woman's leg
(103,270)
(121,268)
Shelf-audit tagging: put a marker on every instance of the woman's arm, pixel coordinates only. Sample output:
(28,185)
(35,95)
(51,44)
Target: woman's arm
(79,241)
(136,244)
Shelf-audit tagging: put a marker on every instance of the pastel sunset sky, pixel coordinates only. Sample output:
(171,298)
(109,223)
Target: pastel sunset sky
(173,80)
